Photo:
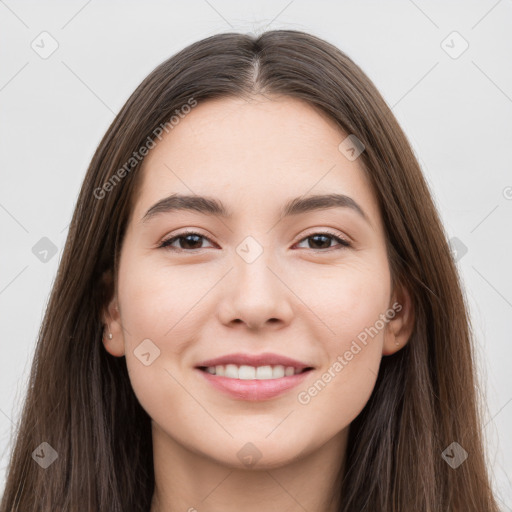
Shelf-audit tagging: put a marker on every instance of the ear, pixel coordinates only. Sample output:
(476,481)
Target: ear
(401,321)
(111,318)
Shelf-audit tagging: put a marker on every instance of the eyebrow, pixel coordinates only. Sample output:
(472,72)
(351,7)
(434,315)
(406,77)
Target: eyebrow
(214,207)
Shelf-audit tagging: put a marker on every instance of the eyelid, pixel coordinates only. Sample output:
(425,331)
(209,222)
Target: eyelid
(326,231)
(343,241)
(180,234)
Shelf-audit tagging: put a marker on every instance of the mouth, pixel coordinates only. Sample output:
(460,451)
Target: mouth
(246,372)
(253,377)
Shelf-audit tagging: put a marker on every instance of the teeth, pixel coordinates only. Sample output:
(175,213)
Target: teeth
(231,371)
(245,372)
(277,372)
(264,372)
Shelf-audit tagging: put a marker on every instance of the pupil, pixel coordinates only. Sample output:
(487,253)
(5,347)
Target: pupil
(196,237)
(324,243)
(326,239)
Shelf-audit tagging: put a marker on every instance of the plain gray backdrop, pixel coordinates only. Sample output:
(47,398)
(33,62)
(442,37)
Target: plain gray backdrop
(445,68)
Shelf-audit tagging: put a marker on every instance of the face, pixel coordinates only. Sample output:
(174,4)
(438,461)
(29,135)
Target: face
(304,298)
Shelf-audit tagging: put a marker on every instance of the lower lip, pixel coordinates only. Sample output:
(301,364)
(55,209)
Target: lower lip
(254,389)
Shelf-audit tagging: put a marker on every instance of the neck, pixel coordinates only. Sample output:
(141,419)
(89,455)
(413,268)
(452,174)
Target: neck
(191,482)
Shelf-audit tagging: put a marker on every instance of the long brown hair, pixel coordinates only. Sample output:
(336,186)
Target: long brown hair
(80,400)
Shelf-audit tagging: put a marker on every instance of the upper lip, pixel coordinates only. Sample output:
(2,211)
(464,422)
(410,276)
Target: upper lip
(266,359)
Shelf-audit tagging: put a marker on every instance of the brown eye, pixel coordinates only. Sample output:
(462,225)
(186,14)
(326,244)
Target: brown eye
(188,241)
(322,241)
(191,241)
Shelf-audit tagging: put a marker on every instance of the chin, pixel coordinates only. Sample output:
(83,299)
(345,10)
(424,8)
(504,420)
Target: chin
(258,453)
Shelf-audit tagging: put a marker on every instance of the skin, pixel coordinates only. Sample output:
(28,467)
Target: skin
(299,299)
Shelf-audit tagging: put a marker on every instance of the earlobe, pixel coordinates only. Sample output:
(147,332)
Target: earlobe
(401,324)
(112,336)
(113,339)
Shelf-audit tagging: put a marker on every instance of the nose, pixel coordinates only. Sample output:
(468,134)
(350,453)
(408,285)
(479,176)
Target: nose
(255,295)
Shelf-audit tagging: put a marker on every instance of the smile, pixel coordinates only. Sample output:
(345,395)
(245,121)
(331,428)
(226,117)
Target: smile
(245,376)
(246,372)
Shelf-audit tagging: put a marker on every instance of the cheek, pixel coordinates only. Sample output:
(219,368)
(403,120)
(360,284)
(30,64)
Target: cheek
(156,338)
(342,387)
(341,390)
(349,297)
(154,302)
(156,298)
(351,305)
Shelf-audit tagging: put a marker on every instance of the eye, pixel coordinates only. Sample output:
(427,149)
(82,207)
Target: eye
(193,241)
(324,238)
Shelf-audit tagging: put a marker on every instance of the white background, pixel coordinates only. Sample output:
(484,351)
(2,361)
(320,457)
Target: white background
(456,112)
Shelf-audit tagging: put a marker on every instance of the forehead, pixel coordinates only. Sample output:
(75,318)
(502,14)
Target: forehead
(252,154)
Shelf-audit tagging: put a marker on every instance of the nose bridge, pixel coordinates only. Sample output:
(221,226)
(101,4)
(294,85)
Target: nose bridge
(255,294)
(252,270)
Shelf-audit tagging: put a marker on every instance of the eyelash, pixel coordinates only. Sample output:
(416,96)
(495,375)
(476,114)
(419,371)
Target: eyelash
(165,244)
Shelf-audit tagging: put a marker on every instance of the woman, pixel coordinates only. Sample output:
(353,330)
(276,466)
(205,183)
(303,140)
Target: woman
(256,307)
